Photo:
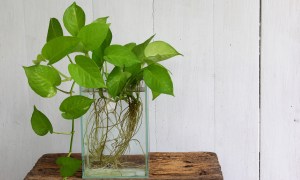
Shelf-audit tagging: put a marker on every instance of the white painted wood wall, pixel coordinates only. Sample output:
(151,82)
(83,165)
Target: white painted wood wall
(220,83)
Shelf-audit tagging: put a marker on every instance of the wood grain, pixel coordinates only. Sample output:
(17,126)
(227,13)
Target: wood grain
(165,166)
(188,27)
(14,97)
(280,90)
(216,82)
(236,57)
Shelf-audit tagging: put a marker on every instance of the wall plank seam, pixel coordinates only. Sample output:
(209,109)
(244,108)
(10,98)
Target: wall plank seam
(153,32)
(259,91)
(214,77)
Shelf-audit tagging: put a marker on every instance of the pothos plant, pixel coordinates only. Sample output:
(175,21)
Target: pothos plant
(91,49)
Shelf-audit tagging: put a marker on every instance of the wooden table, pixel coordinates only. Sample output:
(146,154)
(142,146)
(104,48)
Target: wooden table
(165,166)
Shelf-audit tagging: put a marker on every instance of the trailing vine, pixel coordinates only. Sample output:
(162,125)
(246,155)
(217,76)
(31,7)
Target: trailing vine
(91,55)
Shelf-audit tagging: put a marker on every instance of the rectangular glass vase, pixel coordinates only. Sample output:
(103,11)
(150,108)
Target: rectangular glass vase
(115,135)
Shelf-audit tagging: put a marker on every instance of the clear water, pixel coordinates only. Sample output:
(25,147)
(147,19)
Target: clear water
(104,173)
(130,166)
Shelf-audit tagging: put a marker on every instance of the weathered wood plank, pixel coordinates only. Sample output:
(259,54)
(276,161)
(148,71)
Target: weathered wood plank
(280,90)
(188,26)
(13,92)
(166,166)
(216,82)
(236,58)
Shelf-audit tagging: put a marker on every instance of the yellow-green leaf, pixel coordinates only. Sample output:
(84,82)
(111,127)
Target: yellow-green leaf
(98,53)
(120,56)
(158,79)
(58,48)
(43,79)
(86,73)
(74,107)
(101,20)
(155,94)
(130,45)
(54,29)
(40,123)
(74,19)
(139,49)
(93,35)
(159,51)
(39,59)
(116,81)
(68,166)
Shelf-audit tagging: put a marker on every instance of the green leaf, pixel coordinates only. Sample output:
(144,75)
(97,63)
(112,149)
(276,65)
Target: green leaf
(139,49)
(74,107)
(97,56)
(107,40)
(43,79)
(120,56)
(93,35)
(136,74)
(98,53)
(159,50)
(39,59)
(68,166)
(54,29)
(134,69)
(86,73)
(116,81)
(158,79)
(40,123)
(58,48)
(74,19)
(130,45)
(101,20)
(155,94)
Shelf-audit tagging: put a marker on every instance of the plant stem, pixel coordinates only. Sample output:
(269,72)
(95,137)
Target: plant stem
(63,75)
(71,141)
(64,133)
(67,79)
(72,131)
(71,90)
(105,69)
(70,59)
(66,92)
